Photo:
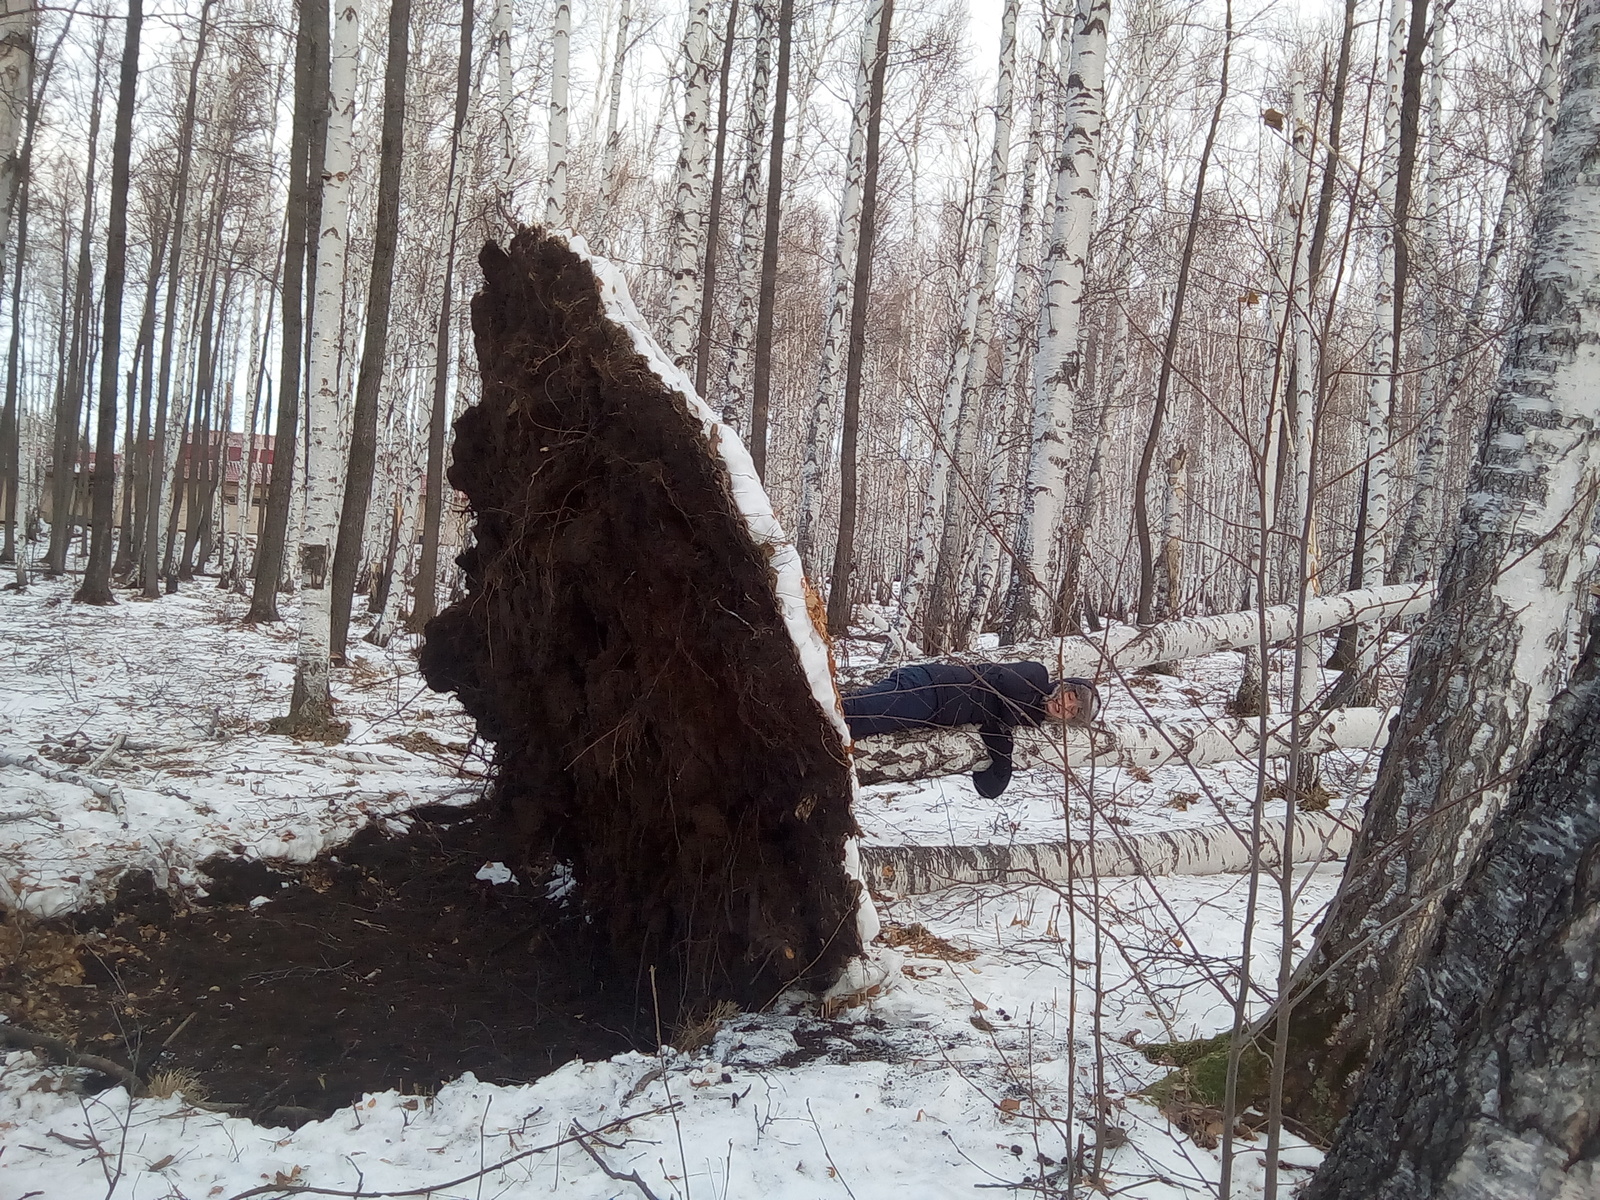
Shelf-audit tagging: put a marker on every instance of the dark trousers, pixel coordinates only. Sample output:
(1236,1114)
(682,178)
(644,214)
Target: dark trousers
(905,700)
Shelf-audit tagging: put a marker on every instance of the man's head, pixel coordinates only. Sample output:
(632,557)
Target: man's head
(1073,702)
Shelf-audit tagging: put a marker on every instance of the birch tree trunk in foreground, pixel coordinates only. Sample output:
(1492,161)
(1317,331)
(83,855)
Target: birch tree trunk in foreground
(1057,363)
(555,184)
(1499,641)
(819,423)
(1486,1088)
(689,203)
(311,708)
(96,587)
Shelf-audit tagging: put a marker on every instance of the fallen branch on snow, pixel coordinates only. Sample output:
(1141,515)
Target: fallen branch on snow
(26,1039)
(109,792)
(1212,850)
(924,754)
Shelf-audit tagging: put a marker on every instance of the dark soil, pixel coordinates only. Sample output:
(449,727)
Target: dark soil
(385,964)
(622,645)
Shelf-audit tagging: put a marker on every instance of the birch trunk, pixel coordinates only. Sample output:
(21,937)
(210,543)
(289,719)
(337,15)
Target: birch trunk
(1210,850)
(1411,560)
(375,344)
(736,377)
(19,20)
(1500,640)
(1486,1088)
(500,42)
(555,184)
(1058,360)
(767,294)
(311,708)
(944,623)
(819,423)
(1303,532)
(898,757)
(689,190)
(608,162)
(1172,505)
(1382,364)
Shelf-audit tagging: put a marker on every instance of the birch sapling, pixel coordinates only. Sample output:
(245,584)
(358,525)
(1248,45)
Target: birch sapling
(690,190)
(311,707)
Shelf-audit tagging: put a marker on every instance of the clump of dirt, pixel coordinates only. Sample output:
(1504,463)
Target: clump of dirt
(384,964)
(622,645)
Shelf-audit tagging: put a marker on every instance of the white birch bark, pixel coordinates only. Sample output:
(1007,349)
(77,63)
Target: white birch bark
(500,42)
(1410,561)
(752,206)
(1172,506)
(1309,674)
(18,24)
(608,164)
(977,328)
(312,704)
(925,754)
(1058,361)
(820,421)
(1381,361)
(1502,639)
(1208,850)
(690,190)
(1553,18)
(247,456)
(555,182)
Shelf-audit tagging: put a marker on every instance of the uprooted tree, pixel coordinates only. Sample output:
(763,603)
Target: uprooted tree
(636,642)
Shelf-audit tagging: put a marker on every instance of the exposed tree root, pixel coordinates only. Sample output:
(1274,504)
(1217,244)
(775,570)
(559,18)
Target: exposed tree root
(622,645)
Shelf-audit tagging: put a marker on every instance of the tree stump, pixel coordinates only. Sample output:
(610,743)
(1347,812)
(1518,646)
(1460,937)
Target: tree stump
(629,642)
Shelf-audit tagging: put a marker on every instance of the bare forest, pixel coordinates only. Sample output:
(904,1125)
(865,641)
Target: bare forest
(644,375)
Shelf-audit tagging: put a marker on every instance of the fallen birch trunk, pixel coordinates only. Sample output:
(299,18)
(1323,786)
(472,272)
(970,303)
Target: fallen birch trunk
(1212,850)
(1127,647)
(109,792)
(923,754)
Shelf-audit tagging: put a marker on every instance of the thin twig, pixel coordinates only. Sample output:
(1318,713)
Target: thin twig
(611,1173)
(299,1189)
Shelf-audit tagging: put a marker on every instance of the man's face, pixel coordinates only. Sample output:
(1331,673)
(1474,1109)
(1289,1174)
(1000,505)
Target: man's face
(1062,705)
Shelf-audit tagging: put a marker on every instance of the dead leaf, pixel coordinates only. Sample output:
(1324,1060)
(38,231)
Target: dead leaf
(1010,1105)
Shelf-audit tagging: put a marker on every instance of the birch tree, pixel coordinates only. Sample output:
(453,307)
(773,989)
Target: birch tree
(311,707)
(690,189)
(1500,641)
(736,381)
(1058,360)
(555,185)
(819,422)
(945,620)
(375,347)
(19,20)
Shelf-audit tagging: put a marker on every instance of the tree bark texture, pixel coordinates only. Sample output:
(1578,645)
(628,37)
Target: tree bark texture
(1501,638)
(311,707)
(690,192)
(637,643)
(719,160)
(555,183)
(736,378)
(1486,1088)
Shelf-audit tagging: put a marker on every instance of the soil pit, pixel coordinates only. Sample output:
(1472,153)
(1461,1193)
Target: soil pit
(384,964)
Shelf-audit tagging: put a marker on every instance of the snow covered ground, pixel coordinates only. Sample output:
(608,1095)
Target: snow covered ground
(1014,1007)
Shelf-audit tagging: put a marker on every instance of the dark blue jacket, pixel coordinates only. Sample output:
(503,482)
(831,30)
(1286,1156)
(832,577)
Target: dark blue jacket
(996,697)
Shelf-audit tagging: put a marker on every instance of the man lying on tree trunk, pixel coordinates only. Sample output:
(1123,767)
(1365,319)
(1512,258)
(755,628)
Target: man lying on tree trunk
(996,697)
